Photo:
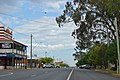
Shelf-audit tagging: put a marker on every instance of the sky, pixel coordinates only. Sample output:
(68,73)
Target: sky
(37,17)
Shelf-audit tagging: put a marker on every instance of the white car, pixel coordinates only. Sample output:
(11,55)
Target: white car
(47,66)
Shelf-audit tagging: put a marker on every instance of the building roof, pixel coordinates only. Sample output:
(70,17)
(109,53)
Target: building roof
(6,35)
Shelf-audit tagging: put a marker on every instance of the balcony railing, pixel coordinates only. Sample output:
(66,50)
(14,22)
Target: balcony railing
(12,51)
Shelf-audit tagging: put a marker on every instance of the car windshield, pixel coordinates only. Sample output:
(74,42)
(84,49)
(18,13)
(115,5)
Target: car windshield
(59,39)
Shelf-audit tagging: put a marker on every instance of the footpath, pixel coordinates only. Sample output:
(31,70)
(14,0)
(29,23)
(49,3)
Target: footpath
(113,73)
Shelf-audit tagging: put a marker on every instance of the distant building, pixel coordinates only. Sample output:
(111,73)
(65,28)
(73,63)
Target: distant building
(13,54)
(58,63)
(36,63)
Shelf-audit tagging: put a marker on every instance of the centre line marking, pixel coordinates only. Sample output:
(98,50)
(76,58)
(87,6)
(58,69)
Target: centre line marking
(70,74)
(6,75)
(33,75)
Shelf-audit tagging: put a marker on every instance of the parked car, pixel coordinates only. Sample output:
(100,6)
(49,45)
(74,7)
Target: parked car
(57,66)
(85,66)
(47,66)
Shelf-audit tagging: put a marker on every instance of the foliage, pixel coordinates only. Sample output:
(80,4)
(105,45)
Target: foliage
(78,55)
(46,60)
(83,60)
(95,22)
(100,55)
(111,6)
(94,19)
(64,65)
(112,53)
(97,55)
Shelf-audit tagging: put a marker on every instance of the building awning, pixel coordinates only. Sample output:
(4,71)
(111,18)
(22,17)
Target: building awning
(11,55)
(7,55)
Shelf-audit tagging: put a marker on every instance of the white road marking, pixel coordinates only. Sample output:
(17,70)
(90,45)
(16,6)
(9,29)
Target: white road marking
(33,75)
(46,72)
(70,74)
(6,75)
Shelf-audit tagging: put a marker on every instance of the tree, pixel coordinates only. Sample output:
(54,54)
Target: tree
(64,65)
(78,55)
(46,60)
(94,19)
(84,60)
(97,55)
(112,55)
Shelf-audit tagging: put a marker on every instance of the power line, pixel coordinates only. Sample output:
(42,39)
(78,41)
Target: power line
(34,47)
(37,43)
(27,19)
(12,29)
(19,32)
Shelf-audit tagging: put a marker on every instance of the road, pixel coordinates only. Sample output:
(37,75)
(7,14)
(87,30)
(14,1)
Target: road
(55,74)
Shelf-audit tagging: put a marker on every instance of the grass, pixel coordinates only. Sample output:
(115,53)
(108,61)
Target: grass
(114,73)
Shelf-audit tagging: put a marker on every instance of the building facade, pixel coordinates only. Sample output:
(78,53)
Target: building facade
(13,54)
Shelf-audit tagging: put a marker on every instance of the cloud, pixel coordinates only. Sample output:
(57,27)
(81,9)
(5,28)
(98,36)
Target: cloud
(57,46)
(48,6)
(50,34)
(8,6)
(47,36)
(49,3)
(1,18)
(37,48)
(44,29)
(9,2)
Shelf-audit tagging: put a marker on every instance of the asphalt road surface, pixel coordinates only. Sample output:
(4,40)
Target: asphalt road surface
(55,74)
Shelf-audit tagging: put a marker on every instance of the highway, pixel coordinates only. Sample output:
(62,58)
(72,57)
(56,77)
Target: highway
(55,74)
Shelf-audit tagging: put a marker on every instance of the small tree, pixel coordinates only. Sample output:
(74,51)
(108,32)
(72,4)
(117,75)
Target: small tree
(112,55)
(64,65)
(47,60)
(97,55)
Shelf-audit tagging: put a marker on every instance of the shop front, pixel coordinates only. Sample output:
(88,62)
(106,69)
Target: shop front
(12,55)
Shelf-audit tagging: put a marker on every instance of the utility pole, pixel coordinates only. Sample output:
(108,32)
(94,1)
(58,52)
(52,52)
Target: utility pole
(31,51)
(118,48)
(53,60)
(108,43)
(45,54)
(13,53)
